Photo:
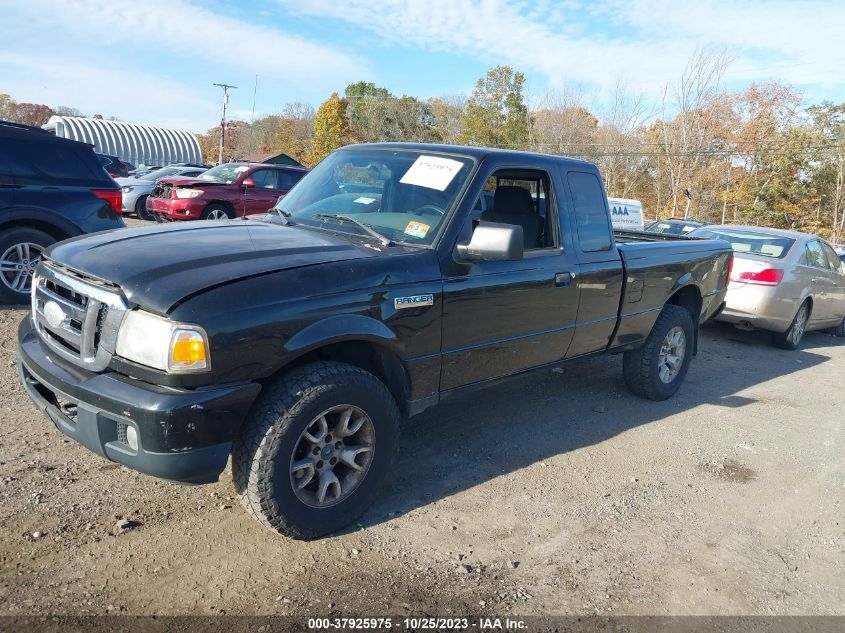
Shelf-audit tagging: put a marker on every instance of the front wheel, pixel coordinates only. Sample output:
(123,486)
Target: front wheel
(657,369)
(316,448)
(791,339)
(217,212)
(141,209)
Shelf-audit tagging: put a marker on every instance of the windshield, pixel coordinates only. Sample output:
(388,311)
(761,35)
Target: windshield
(403,195)
(671,228)
(226,173)
(160,173)
(763,244)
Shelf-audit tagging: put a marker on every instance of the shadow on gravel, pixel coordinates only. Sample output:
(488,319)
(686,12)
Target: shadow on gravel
(476,437)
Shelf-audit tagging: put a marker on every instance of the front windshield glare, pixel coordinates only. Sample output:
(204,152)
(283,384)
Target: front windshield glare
(227,173)
(403,195)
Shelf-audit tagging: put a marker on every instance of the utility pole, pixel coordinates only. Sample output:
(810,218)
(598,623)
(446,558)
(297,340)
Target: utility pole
(223,119)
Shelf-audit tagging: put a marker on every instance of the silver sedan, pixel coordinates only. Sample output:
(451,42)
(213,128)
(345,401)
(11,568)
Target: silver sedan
(136,190)
(783,281)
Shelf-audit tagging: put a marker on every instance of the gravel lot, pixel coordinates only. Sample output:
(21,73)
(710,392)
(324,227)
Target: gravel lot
(558,493)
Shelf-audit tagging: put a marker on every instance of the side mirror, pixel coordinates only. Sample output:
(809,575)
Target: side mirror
(492,241)
(247,182)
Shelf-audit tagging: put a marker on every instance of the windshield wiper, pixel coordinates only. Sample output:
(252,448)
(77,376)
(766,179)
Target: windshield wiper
(385,241)
(285,215)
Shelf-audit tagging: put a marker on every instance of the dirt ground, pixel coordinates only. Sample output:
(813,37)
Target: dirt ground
(558,493)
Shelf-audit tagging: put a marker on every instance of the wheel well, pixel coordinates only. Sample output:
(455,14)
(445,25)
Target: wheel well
(809,302)
(378,360)
(50,229)
(689,298)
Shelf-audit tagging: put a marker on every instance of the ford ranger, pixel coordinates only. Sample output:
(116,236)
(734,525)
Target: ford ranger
(296,343)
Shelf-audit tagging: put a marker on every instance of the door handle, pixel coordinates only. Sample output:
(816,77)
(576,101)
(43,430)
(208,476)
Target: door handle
(563,279)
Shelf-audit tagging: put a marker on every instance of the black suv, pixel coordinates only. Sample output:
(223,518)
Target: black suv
(50,189)
(114,166)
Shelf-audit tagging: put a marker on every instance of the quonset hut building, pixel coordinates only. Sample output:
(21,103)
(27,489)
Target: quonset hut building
(136,144)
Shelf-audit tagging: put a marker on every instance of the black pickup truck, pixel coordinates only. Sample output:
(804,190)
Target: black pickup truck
(296,343)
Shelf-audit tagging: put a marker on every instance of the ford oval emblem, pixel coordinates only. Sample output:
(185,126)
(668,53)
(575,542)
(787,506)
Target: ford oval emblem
(54,314)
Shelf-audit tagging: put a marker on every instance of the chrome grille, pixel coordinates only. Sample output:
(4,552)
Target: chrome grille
(75,316)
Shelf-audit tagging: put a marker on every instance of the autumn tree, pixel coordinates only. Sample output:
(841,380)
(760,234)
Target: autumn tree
(331,128)
(829,172)
(35,114)
(446,113)
(496,114)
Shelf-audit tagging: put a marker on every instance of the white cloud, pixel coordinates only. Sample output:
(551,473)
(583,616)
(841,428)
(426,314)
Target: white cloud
(147,98)
(200,42)
(646,42)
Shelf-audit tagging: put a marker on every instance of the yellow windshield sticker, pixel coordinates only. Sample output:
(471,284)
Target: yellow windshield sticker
(417,229)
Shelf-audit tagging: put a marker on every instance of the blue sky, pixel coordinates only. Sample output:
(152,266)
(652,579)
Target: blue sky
(154,61)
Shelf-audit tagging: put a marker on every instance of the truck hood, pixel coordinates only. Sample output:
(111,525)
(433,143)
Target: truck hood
(156,267)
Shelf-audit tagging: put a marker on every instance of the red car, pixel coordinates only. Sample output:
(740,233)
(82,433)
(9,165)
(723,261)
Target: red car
(226,191)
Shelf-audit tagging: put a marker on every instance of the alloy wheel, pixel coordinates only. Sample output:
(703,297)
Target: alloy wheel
(672,352)
(17,265)
(332,456)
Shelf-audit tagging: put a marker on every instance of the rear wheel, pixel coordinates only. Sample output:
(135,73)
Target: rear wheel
(316,448)
(141,209)
(791,339)
(217,212)
(20,252)
(657,369)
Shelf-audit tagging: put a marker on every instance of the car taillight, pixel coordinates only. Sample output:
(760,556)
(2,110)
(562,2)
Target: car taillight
(730,266)
(113,196)
(765,277)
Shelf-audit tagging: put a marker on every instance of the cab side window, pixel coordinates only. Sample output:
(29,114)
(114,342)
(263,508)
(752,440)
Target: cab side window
(589,206)
(522,198)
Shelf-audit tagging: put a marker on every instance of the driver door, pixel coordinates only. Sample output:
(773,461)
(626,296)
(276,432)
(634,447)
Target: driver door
(503,317)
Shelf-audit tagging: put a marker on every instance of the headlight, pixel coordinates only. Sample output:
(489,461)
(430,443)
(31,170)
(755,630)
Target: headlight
(188,193)
(127,189)
(163,344)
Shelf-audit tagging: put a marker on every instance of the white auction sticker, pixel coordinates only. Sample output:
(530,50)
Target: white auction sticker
(364,200)
(432,172)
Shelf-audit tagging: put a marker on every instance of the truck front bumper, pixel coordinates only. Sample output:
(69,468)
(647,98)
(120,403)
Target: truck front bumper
(182,435)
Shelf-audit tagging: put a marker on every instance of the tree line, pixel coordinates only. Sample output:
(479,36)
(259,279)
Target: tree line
(757,156)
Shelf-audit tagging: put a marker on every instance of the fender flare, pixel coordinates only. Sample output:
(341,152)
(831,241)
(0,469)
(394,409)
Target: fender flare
(339,328)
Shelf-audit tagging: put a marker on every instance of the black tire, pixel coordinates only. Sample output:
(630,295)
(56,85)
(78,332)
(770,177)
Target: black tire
(642,366)
(215,209)
(791,339)
(8,241)
(264,449)
(141,209)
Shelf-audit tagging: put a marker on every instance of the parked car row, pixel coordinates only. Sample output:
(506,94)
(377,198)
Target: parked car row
(135,190)
(223,192)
